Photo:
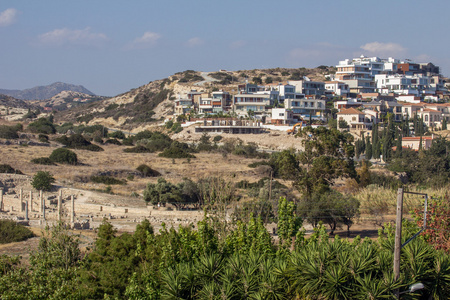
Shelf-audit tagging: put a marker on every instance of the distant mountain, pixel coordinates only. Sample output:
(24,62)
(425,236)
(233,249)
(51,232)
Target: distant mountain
(45,92)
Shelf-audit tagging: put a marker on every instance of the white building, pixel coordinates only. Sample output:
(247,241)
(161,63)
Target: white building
(337,88)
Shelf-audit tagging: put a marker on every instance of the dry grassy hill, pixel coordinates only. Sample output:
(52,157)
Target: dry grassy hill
(150,103)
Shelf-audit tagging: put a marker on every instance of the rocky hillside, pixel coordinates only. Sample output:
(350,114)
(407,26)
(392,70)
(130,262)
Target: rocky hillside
(8,101)
(153,102)
(45,92)
(68,99)
(12,109)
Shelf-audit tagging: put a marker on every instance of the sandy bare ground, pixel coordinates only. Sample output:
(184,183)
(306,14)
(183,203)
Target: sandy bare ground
(271,140)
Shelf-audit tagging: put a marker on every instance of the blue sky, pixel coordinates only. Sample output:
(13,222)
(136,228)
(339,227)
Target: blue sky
(113,46)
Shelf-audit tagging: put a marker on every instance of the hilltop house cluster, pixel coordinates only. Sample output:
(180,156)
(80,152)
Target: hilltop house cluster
(362,90)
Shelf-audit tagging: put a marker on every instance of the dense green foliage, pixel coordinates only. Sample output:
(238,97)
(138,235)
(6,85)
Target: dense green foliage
(11,231)
(77,141)
(179,195)
(106,180)
(42,161)
(64,156)
(426,167)
(177,150)
(10,132)
(243,264)
(42,125)
(42,181)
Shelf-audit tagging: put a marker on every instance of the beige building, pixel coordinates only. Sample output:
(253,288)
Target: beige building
(355,119)
(414,142)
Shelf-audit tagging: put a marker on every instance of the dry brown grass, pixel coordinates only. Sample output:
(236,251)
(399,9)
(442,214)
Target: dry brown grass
(113,159)
(376,200)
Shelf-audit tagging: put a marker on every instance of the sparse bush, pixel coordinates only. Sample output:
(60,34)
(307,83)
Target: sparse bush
(42,181)
(217,138)
(147,171)
(107,180)
(11,231)
(43,161)
(137,149)
(8,169)
(64,156)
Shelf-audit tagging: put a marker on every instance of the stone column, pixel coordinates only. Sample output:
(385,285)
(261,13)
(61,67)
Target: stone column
(26,210)
(72,215)
(41,202)
(20,200)
(59,206)
(1,200)
(43,207)
(31,201)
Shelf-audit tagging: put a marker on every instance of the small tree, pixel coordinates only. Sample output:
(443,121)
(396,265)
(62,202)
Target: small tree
(42,181)
(65,156)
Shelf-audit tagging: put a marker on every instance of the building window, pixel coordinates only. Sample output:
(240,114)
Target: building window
(353,118)
(426,118)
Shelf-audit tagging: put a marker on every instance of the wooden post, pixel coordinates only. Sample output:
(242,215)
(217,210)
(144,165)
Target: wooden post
(398,237)
(1,200)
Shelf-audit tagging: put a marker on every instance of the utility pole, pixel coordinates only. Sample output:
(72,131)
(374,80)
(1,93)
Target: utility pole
(398,237)
(398,232)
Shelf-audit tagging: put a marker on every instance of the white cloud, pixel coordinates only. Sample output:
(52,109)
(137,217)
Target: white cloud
(65,36)
(194,42)
(8,17)
(384,49)
(148,39)
(238,44)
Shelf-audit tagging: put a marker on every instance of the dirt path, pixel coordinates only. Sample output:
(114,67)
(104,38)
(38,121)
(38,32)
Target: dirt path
(207,78)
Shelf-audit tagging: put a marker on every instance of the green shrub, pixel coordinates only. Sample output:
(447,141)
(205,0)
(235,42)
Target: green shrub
(42,125)
(217,138)
(117,135)
(113,141)
(43,138)
(64,156)
(177,150)
(128,141)
(11,231)
(8,169)
(137,149)
(43,161)
(147,171)
(107,180)
(77,141)
(42,181)
(8,132)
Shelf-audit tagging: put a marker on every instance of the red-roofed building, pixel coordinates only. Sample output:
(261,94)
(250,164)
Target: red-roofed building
(414,142)
(354,118)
